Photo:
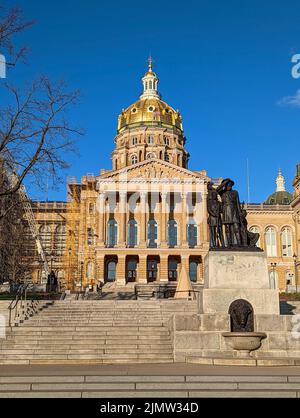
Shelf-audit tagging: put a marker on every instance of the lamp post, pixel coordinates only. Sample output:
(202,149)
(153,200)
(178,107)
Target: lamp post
(295,257)
(69,269)
(274,265)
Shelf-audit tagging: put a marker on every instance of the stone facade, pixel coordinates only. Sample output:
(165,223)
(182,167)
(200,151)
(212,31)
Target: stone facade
(144,219)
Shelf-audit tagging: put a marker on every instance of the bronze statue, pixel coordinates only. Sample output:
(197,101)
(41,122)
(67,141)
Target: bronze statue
(231,212)
(214,219)
(224,209)
(249,239)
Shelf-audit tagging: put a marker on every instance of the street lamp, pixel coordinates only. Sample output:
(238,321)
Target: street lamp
(69,269)
(295,257)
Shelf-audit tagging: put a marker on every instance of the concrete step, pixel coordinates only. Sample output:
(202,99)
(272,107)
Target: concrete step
(150,386)
(119,330)
(92,332)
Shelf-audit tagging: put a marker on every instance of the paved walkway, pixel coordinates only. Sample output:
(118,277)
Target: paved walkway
(148,381)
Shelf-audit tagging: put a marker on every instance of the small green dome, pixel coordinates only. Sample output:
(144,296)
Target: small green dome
(279,198)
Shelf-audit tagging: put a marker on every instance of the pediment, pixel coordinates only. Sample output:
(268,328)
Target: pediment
(153,169)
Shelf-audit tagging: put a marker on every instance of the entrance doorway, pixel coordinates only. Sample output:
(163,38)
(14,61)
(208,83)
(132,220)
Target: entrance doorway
(173,269)
(131,270)
(152,268)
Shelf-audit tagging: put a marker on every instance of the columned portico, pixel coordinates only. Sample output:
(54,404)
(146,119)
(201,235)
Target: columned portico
(143,219)
(123,211)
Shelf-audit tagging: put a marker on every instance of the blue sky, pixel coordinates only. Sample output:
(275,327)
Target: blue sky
(224,65)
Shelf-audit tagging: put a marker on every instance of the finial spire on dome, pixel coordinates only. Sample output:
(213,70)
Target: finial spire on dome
(280,182)
(150,82)
(150,63)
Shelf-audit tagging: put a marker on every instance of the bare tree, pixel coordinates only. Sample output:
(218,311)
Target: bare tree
(35,132)
(13,247)
(12,23)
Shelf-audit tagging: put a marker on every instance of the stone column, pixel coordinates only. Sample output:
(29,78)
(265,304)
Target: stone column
(201,272)
(101,268)
(205,216)
(122,211)
(121,270)
(142,269)
(101,220)
(184,219)
(163,276)
(163,220)
(143,219)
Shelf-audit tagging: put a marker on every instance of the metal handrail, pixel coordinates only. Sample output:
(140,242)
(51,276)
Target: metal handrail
(167,291)
(21,293)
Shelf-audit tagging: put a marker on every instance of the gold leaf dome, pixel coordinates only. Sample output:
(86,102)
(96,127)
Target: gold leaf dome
(150,110)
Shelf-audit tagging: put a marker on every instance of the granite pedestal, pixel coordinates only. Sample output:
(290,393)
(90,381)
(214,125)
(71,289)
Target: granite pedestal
(232,275)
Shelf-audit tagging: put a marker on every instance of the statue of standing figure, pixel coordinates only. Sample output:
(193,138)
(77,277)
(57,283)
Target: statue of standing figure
(231,213)
(224,209)
(214,219)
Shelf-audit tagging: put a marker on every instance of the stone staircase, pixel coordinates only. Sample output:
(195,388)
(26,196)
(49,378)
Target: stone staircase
(96,332)
(145,384)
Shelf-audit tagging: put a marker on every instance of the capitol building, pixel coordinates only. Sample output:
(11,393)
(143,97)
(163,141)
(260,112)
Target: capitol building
(145,218)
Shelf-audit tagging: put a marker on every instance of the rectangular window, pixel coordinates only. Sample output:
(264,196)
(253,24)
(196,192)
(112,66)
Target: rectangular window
(91,208)
(90,236)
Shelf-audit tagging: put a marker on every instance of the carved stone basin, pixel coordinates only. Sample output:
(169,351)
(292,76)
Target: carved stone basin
(244,342)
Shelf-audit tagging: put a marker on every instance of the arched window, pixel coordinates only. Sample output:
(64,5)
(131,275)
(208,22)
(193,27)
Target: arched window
(90,270)
(90,236)
(60,240)
(132,233)
(255,230)
(45,234)
(287,242)
(150,85)
(192,233)
(134,159)
(193,271)
(167,157)
(111,271)
(112,233)
(166,141)
(150,139)
(134,140)
(271,245)
(172,233)
(273,277)
(152,233)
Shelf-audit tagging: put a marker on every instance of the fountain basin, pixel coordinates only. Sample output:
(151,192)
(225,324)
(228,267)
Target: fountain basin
(244,342)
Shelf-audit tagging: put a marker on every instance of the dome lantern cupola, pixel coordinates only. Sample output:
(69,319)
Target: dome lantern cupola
(150,83)
(281,196)
(280,182)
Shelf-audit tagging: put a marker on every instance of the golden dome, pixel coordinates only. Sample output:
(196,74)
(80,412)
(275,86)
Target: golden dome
(150,112)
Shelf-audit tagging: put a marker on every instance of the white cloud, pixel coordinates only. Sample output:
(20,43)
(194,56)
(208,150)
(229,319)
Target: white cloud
(291,100)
